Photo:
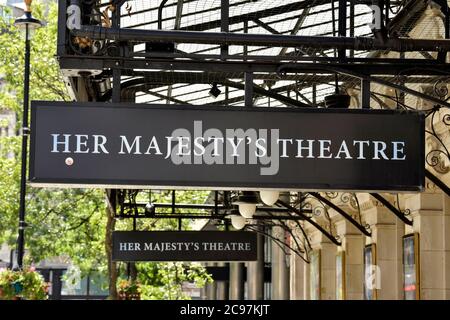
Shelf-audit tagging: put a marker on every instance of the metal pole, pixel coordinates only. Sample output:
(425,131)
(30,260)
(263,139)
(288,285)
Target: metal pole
(248,95)
(224,24)
(365,94)
(342,25)
(280,270)
(255,270)
(23,172)
(270,40)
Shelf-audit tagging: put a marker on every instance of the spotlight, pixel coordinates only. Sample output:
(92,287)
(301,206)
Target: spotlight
(237,221)
(215,91)
(247,202)
(269,197)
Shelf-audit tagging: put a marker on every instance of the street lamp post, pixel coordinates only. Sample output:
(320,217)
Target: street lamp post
(27,23)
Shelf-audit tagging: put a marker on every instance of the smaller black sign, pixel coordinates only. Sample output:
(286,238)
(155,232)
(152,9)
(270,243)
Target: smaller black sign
(184,246)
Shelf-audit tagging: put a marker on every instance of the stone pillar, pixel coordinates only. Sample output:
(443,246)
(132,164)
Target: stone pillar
(237,281)
(255,272)
(384,235)
(306,282)
(399,234)
(327,264)
(430,212)
(297,279)
(353,247)
(328,270)
(222,286)
(280,270)
(211,288)
(211,291)
(446,232)
(203,293)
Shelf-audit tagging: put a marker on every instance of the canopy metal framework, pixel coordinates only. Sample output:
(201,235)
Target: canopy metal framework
(257,53)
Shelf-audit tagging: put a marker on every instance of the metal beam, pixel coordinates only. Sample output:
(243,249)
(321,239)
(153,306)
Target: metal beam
(365,94)
(188,215)
(301,19)
(267,93)
(342,24)
(167,97)
(179,14)
(265,26)
(311,221)
(224,24)
(268,65)
(346,71)
(271,40)
(341,212)
(160,11)
(391,208)
(164,78)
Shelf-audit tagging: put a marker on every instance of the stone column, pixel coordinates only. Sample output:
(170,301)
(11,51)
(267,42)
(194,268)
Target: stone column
(384,235)
(328,270)
(430,212)
(353,247)
(327,265)
(222,286)
(297,279)
(280,270)
(255,272)
(211,288)
(237,281)
(306,282)
(211,291)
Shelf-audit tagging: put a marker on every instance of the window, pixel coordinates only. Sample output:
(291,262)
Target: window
(370,272)
(411,287)
(93,285)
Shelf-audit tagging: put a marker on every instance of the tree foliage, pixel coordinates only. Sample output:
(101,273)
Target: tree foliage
(64,223)
(67,223)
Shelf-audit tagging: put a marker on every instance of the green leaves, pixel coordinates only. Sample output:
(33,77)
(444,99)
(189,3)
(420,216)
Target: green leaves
(70,224)
(65,223)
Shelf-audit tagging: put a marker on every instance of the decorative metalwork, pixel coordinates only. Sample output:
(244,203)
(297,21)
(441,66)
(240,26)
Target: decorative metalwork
(129,8)
(300,250)
(350,198)
(436,159)
(406,212)
(319,209)
(441,89)
(331,195)
(439,156)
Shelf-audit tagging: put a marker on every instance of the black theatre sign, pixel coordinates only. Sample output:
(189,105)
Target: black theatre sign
(184,246)
(164,146)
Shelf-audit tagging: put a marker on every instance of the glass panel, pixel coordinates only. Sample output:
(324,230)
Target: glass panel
(98,284)
(73,285)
